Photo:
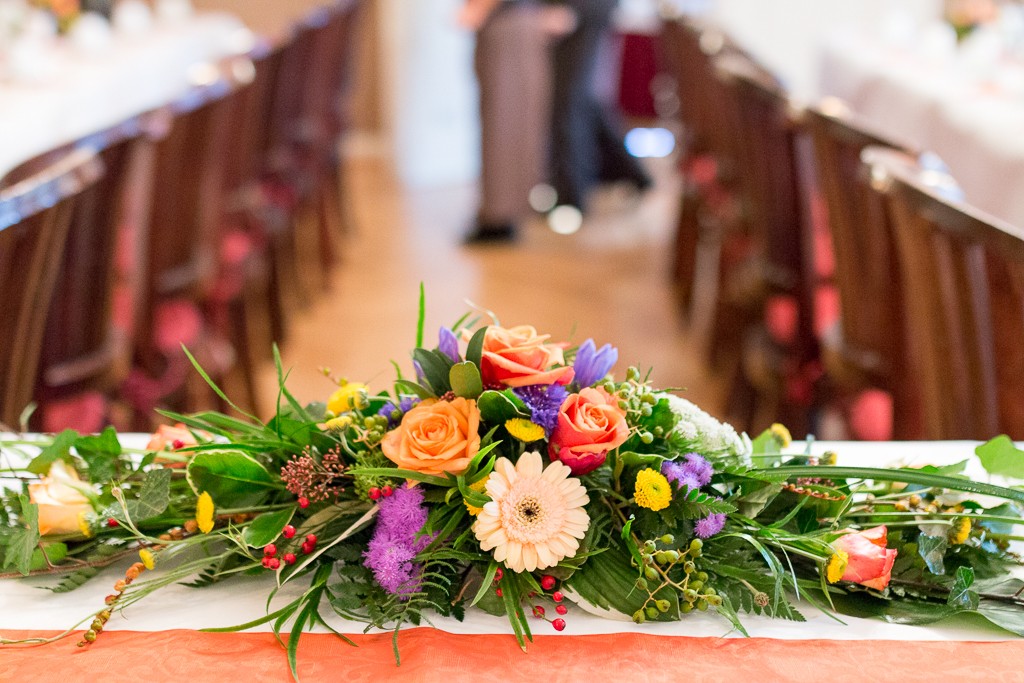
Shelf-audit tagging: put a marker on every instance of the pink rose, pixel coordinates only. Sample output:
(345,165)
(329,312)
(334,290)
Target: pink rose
(590,424)
(519,357)
(869,561)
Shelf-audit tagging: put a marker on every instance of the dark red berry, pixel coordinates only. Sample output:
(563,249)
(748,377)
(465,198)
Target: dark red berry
(557,596)
(288,531)
(559,624)
(303,502)
(561,609)
(289,558)
(307,548)
(386,491)
(269,550)
(374,493)
(498,592)
(177,444)
(266,563)
(311,538)
(547,582)
(538,611)
(111,522)
(273,563)
(498,574)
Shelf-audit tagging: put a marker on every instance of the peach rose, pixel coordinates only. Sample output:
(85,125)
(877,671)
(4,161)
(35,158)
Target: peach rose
(60,500)
(167,437)
(869,561)
(435,437)
(590,424)
(519,357)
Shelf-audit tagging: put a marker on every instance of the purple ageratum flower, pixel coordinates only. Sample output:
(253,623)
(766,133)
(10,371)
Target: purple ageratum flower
(544,401)
(710,525)
(694,473)
(448,344)
(395,541)
(593,364)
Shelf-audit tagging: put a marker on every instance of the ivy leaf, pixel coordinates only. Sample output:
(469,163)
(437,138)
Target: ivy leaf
(232,478)
(961,594)
(153,498)
(59,449)
(932,549)
(496,407)
(23,538)
(100,454)
(1001,457)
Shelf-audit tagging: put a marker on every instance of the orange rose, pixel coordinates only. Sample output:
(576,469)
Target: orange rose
(435,437)
(869,561)
(60,500)
(519,357)
(175,437)
(590,424)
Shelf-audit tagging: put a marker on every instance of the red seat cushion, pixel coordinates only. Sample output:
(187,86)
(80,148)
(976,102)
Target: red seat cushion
(871,416)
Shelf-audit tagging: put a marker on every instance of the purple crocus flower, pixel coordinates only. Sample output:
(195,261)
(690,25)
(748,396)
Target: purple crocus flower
(544,402)
(592,364)
(448,344)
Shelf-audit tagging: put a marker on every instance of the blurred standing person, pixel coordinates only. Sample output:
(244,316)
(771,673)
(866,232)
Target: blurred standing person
(588,146)
(513,67)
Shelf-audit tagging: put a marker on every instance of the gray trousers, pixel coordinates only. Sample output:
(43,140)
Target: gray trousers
(513,67)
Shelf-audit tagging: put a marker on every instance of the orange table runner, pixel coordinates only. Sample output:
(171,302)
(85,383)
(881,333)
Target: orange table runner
(431,655)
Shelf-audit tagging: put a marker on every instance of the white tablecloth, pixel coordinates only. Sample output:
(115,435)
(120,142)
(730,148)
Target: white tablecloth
(973,119)
(91,91)
(23,605)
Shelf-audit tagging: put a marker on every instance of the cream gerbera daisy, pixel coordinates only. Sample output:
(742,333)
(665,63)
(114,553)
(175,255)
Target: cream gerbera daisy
(535,517)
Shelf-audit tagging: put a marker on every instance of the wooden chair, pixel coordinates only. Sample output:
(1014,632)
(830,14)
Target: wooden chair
(183,257)
(865,349)
(35,216)
(963,287)
(770,295)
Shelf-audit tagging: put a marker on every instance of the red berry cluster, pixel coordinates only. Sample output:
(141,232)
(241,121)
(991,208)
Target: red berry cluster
(270,559)
(378,493)
(547,582)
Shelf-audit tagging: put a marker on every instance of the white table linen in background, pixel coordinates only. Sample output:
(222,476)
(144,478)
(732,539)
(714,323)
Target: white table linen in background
(92,89)
(969,112)
(23,605)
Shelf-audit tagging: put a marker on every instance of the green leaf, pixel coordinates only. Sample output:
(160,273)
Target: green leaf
(55,554)
(906,476)
(1001,457)
(435,366)
(474,351)
(465,380)
(766,443)
(415,388)
(59,449)
(100,454)
(608,582)
(23,538)
(961,594)
(421,316)
(232,478)
(497,407)
(932,550)
(267,527)
(633,459)
(152,500)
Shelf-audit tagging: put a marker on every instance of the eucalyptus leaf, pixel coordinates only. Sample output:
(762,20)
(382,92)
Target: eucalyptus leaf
(932,550)
(465,380)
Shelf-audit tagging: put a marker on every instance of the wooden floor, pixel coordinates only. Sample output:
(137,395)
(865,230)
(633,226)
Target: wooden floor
(609,281)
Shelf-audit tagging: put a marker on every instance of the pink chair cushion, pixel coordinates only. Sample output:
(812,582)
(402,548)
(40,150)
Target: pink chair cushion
(85,412)
(177,322)
(871,416)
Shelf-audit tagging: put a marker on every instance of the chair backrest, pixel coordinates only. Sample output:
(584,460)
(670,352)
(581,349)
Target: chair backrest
(866,272)
(963,275)
(769,179)
(35,215)
(189,180)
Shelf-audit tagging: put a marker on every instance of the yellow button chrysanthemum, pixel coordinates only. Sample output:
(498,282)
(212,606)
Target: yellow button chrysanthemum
(204,512)
(524,430)
(148,560)
(652,490)
(960,531)
(835,567)
(479,487)
(347,397)
(83,525)
(780,432)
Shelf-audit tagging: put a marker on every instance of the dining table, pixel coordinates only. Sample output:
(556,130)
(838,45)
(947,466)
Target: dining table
(55,90)
(160,638)
(962,102)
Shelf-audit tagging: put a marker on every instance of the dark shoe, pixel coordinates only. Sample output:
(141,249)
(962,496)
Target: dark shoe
(490,233)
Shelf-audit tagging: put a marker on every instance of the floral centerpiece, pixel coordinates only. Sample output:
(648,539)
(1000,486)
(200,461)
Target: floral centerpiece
(510,473)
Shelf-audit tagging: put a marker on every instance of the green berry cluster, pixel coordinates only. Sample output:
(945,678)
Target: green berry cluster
(676,568)
(638,400)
